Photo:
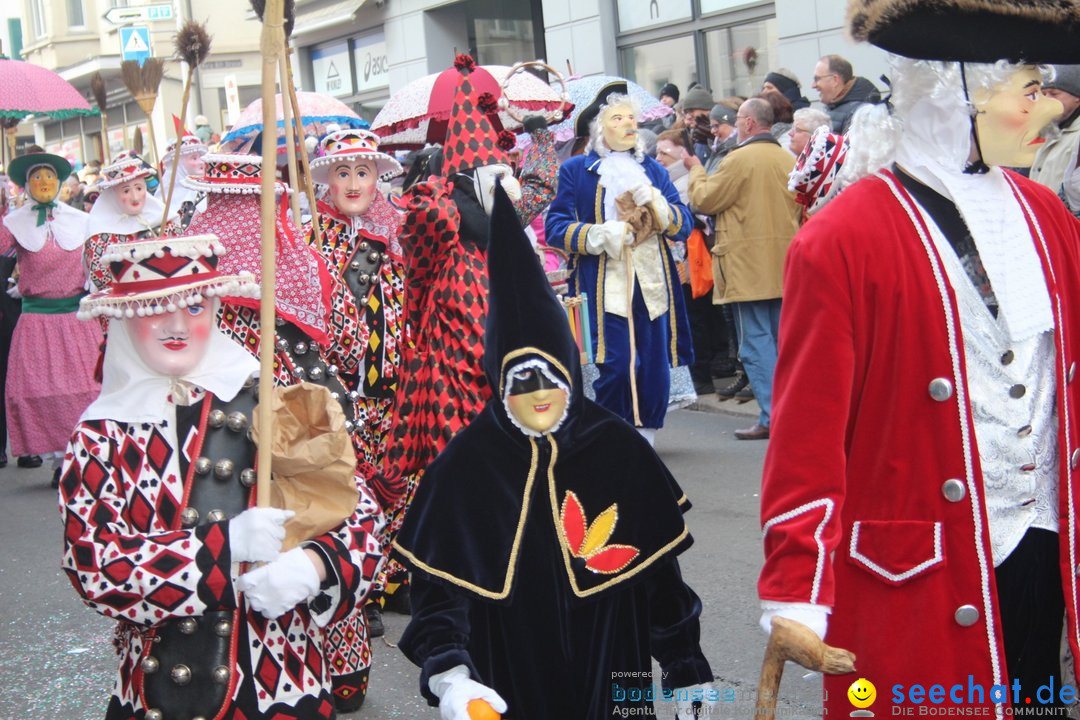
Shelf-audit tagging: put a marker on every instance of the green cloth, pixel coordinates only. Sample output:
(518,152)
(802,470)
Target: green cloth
(51,306)
(42,211)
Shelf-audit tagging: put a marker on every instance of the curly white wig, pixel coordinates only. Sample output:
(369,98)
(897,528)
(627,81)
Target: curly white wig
(596,127)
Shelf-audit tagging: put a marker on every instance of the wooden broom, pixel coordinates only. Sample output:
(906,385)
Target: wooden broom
(97,86)
(143,83)
(192,45)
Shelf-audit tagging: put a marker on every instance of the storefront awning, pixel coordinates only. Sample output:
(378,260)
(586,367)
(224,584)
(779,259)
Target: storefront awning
(316,19)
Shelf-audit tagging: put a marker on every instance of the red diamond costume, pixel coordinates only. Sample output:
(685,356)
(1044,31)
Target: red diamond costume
(920,483)
(151,537)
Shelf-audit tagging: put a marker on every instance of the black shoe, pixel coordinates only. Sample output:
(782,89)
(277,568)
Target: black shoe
(373,614)
(704,388)
(400,602)
(745,395)
(3,460)
(730,390)
(724,368)
(55,478)
(29,461)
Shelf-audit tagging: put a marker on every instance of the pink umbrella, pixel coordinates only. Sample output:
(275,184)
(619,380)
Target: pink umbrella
(317,110)
(418,113)
(28,89)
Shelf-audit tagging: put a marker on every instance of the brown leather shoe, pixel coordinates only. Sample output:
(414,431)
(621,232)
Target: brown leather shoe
(756,432)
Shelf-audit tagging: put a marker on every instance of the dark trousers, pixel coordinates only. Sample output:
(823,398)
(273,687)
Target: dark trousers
(710,335)
(10,309)
(1032,613)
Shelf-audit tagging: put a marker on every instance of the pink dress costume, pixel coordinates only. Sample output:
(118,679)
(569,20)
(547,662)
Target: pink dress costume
(50,378)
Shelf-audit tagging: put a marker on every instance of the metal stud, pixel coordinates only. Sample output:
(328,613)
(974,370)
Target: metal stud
(154,714)
(149,665)
(373,256)
(953,490)
(335,396)
(198,717)
(216,418)
(237,421)
(220,674)
(279,321)
(215,516)
(223,469)
(180,674)
(300,348)
(355,265)
(282,345)
(315,374)
(247,477)
(202,466)
(1017,391)
(331,370)
(966,615)
(364,278)
(363,246)
(941,389)
(349,426)
(188,626)
(250,382)
(354,395)
(298,372)
(1007,357)
(189,516)
(222,628)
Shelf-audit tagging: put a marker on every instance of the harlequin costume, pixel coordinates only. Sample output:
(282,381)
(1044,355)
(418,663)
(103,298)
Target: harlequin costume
(50,371)
(109,223)
(545,563)
(445,238)
(303,290)
(919,485)
(588,185)
(185,200)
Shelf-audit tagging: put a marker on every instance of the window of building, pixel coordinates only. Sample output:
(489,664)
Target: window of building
(118,3)
(740,56)
(37,17)
(651,65)
(503,33)
(75,14)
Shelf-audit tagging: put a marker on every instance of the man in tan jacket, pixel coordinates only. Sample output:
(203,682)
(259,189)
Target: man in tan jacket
(756,217)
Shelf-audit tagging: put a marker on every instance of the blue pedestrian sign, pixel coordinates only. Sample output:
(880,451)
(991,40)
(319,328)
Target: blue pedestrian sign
(135,43)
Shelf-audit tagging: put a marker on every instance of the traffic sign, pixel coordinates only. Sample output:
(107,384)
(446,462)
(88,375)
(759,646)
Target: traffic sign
(135,43)
(139,13)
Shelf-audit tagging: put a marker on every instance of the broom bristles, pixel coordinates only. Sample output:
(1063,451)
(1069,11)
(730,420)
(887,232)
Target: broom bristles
(143,80)
(137,142)
(192,43)
(97,86)
(259,6)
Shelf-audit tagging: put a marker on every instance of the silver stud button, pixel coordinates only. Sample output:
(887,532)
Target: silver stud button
(953,490)
(220,674)
(941,389)
(216,418)
(149,665)
(237,421)
(180,674)
(248,477)
(203,466)
(966,615)
(1017,391)
(189,516)
(1007,357)
(188,626)
(215,516)
(223,469)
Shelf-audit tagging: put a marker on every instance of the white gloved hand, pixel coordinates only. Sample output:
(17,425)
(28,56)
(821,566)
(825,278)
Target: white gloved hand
(609,237)
(661,209)
(455,689)
(13,291)
(643,194)
(279,586)
(705,694)
(815,617)
(255,535)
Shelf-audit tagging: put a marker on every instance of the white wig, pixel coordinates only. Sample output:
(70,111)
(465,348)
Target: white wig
(596,128)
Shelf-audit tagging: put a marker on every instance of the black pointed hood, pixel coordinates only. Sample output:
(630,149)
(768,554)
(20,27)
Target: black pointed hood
(524,319)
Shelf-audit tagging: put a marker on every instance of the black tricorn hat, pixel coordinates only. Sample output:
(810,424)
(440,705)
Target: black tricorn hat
(581,126)
(981,31)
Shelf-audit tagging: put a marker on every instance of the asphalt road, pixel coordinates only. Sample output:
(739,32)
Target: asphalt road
(57,660)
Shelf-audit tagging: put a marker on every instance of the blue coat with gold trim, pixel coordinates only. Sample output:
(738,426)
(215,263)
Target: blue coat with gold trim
(579,204)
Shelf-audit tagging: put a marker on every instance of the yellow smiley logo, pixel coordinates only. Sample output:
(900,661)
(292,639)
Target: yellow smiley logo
(862,693)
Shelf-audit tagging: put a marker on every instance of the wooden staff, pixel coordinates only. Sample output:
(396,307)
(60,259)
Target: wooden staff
(97,86)
(629,262)
(290,136)
(794,641)
(192,45)
(308,185)
(271,43)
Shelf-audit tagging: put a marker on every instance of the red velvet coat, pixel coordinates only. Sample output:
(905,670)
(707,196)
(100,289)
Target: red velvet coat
(853,508)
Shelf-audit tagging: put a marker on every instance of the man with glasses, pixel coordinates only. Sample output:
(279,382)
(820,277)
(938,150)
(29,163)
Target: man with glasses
(842,92)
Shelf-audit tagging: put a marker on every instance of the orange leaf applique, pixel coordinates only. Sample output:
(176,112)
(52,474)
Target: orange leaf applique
(588,541)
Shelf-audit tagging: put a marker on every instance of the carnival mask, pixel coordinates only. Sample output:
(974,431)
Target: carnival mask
(43,184)
(352,185)
(131,196)
(1009,119)
(535,400)
(173,343)
(620,127)
(485,178)
(192,164)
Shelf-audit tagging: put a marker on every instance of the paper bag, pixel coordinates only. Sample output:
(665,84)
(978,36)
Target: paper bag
(639,217)
(313,461)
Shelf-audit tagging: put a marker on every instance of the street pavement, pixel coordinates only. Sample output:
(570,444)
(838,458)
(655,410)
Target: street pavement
(57,660)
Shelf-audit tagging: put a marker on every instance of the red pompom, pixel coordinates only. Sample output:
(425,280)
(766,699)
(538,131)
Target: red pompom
(486,102)
(506,140)
(464,62)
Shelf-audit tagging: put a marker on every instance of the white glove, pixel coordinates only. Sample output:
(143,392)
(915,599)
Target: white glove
(255,535)
(609,237)
(455,689)
(279,586)
(658,204)
(815,617)
(13,291)
(705,694)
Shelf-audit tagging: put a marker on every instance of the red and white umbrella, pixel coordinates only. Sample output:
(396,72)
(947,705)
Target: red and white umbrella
(418,113)
(28,89)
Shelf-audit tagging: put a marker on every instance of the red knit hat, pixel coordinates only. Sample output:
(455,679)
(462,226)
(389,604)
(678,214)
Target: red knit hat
(474,135)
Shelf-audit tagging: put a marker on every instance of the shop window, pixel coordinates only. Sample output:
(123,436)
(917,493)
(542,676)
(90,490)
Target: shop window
(503,33)
(75,14)
(740,57)
(651,65)
(37,16)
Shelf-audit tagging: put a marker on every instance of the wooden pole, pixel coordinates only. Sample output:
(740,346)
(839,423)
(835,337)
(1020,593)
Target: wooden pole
(179,138)
(794,641)
(270,45)
(309,186)
(290,137)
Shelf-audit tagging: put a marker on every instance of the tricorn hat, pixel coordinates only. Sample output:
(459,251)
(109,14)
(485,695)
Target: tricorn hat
(980,31)
(590,111)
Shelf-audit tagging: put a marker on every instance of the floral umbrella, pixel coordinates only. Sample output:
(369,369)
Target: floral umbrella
(317,111)
(582,90)
(28,89)
(418,113)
